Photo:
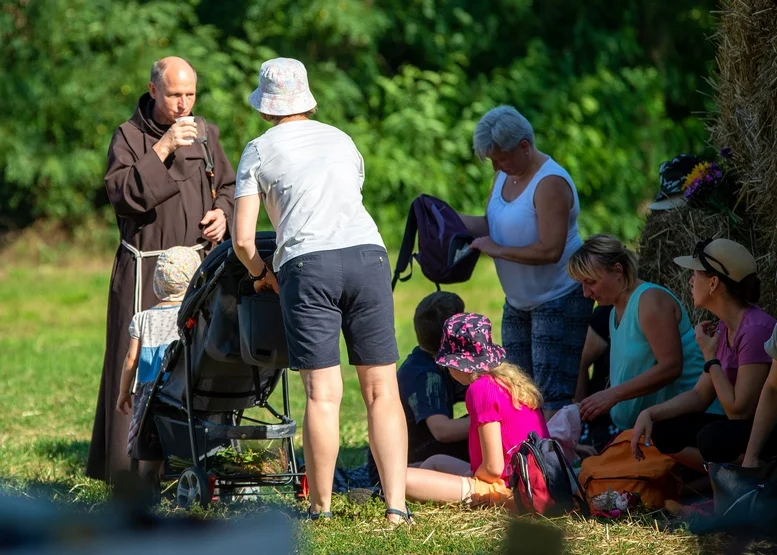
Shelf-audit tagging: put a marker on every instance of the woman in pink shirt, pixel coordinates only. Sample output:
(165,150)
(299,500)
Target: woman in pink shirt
(690,428)
(504,406)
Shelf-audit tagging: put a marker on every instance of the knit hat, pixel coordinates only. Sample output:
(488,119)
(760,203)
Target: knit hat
(283,88)
(723,257)
(174,270)
(467,346)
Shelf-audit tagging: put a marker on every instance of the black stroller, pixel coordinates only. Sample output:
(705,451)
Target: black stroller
(230,357)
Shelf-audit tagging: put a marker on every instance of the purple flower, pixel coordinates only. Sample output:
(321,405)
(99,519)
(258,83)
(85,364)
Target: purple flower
(726,153)
(693,188)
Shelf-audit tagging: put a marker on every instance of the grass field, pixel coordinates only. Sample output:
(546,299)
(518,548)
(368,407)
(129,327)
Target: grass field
(52,320)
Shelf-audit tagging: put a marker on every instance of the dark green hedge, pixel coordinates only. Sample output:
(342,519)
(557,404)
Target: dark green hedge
(612,89)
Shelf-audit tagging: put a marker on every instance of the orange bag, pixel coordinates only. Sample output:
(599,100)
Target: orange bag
(616,469)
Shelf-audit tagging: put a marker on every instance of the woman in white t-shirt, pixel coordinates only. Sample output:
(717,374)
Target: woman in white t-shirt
(530,230)
(332,273)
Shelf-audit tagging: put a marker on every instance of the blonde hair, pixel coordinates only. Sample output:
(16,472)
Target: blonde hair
(518,384)
(603,252)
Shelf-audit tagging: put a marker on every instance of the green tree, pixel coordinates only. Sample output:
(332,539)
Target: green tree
(612,90)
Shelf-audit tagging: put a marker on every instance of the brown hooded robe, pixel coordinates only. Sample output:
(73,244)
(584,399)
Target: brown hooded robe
(158,205)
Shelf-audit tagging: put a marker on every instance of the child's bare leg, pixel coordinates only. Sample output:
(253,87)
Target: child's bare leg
(149,470)
(428,485)
(447,464)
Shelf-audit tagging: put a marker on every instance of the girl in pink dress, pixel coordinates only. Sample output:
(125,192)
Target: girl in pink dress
(503,405)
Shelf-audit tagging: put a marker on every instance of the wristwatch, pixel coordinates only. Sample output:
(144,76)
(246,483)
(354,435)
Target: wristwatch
(260,277)
(710,363)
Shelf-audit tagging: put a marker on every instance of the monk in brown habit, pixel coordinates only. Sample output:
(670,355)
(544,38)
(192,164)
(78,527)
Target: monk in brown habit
(170,184)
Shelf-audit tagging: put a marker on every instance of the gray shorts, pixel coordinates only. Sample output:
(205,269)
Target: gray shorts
(326,291)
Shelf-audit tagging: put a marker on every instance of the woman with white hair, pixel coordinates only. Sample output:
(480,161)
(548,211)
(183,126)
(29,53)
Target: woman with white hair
(332,273)
(530,230)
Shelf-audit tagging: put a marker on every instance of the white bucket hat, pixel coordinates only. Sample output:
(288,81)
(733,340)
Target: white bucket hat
(283,88)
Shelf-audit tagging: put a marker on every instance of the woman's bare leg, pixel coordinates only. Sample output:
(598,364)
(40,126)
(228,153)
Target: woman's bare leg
(387,430)
(321,432)
(690,457)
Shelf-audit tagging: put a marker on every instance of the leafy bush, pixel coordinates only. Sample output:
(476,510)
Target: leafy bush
(611,90)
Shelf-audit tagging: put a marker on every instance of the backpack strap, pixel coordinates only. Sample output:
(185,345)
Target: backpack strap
(580,498)
(405,256)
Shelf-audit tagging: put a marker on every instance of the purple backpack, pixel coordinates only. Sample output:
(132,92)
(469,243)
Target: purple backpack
(443,243)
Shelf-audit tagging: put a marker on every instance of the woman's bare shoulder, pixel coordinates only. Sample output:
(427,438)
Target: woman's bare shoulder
(658,304)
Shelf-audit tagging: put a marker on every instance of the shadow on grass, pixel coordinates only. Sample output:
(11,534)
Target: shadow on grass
(71,453)
(80,492)
(525,536)
(57,473)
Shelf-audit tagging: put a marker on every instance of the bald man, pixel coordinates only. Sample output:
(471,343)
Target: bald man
(170,184)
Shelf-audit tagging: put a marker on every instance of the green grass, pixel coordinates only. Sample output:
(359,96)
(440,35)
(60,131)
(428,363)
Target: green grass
(52,334)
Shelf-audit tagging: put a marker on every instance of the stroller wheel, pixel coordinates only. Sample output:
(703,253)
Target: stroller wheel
(193,488)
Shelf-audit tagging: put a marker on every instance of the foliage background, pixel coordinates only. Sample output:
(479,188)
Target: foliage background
(612,90)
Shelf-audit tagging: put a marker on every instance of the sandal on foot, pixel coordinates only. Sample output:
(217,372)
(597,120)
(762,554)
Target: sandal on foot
(315,516)
(406,515)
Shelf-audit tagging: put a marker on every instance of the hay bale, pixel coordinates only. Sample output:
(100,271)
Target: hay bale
(672,233)
(746,122)
(746,95)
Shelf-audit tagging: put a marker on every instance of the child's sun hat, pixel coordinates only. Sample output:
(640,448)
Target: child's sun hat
(174,270)
(467,344)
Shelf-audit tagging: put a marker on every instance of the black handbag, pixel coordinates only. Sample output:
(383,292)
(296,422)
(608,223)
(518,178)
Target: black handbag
(744,494)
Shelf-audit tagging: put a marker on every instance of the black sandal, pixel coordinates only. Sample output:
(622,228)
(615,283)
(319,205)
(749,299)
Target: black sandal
(316,516)
(407,516)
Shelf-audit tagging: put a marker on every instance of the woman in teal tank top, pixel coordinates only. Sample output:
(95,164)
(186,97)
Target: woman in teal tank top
(653,351)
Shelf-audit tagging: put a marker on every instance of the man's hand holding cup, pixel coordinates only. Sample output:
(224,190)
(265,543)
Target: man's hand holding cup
(182,133)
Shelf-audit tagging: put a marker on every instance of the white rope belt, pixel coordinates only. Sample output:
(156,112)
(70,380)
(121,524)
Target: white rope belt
(139,255)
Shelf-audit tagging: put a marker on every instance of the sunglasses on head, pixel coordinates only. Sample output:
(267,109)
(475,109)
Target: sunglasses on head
(705,258)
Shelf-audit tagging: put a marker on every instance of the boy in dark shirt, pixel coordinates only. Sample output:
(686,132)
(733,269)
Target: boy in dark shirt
(427,391)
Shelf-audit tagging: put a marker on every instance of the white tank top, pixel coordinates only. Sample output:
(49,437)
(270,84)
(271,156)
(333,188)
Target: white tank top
(514,224)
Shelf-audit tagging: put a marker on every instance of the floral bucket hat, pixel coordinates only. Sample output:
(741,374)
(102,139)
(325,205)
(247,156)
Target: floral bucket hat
(283,88)
(174,270)
(467,344)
